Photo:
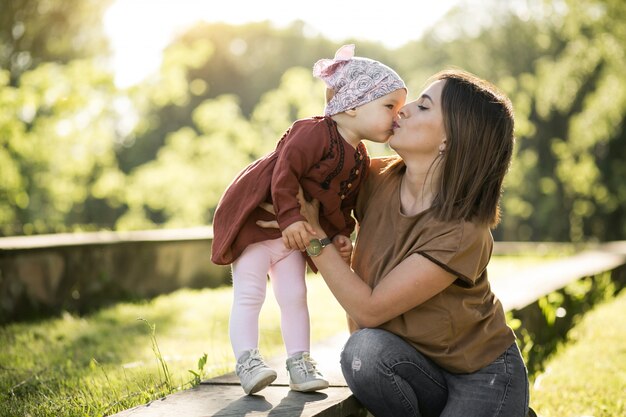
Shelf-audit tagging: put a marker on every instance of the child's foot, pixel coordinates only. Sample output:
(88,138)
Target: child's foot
(253,372)
(303,376)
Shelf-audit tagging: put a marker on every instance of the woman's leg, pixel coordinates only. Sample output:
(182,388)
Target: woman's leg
(287,278)
(498,390)
(249,288)
(390,377)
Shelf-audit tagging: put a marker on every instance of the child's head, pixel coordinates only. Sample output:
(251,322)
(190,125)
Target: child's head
(354,81)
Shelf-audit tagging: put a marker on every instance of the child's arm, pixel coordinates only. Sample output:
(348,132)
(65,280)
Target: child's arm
(296,235)
(344,246)
(299,152)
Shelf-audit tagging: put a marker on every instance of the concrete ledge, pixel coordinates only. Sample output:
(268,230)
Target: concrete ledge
(48,273)
(528,285)
(104,237)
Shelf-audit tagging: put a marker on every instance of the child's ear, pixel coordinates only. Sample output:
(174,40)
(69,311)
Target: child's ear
(330,93)
(351,112)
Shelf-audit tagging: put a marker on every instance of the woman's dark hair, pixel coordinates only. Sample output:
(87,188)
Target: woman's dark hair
(478,121)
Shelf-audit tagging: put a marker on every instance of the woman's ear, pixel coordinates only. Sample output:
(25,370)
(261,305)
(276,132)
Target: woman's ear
(442,146)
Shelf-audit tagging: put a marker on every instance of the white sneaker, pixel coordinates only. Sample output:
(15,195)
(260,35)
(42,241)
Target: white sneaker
(303,376)
(253,372)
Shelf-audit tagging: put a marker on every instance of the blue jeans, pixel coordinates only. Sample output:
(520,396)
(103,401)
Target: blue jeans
(392,379)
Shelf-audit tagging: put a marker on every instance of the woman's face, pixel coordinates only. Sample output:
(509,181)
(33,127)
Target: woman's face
(419,130)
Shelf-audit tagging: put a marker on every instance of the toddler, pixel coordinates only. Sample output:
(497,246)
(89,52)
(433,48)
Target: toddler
(325,155)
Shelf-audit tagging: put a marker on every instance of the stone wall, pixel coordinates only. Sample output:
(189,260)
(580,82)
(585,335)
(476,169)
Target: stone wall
(77,272)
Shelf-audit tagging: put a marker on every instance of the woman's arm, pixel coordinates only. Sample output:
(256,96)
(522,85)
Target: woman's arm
(413,281)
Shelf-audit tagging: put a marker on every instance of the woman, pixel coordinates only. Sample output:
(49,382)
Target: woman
(429,338)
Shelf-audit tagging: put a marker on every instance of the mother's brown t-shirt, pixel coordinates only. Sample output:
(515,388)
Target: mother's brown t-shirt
(463,328)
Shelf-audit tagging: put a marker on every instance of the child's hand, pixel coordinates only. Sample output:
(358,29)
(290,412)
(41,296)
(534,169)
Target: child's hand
(344,246)
(297,235)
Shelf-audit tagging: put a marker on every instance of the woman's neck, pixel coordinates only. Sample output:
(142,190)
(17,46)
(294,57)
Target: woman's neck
(417,189)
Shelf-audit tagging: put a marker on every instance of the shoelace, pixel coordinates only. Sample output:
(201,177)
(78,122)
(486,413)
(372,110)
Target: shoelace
(306,365)
(250,364)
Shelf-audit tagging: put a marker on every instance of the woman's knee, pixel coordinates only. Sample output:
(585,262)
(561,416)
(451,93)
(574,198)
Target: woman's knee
(364,351)
(369,363)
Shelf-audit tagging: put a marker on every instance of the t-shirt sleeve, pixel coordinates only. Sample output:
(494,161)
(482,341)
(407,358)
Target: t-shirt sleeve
(462,248)
(303,147)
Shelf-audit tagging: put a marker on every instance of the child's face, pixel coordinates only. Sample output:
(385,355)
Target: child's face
(375,119)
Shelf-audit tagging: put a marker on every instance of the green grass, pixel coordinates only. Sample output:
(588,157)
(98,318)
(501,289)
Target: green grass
(105,362)
(108,361)
(587,375)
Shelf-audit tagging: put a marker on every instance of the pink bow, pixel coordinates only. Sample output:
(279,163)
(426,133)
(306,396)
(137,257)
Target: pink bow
(326,67)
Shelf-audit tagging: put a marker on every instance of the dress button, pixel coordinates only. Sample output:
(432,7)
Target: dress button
(356,172)
(343,196)
(349,185)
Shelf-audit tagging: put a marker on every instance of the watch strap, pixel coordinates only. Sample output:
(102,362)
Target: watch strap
(325,242)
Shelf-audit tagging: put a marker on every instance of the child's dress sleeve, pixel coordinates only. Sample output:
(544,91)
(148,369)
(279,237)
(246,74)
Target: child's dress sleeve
(302,148)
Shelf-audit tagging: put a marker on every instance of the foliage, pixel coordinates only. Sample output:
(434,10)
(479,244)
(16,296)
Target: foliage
(163,104)
(182,185)
(559,62)
(57,134)
(250,59)
(33,32)
(184,182)
(548,321)
(77,153)
(576,106)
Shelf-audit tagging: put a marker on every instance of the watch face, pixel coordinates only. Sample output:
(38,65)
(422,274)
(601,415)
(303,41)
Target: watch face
(314,248)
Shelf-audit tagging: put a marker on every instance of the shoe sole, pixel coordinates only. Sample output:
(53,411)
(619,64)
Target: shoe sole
(309,386)
(263,381)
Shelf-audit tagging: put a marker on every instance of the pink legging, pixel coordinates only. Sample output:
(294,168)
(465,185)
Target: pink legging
(286,269)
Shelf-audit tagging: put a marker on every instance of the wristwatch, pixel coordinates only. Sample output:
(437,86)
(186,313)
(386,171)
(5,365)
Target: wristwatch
(316,245)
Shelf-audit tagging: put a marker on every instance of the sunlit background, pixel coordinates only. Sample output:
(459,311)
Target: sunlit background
(136,114)
(140,29)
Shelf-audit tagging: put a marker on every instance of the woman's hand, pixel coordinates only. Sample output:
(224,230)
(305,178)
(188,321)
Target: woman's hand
(310,210)
(298,234)
(268,224)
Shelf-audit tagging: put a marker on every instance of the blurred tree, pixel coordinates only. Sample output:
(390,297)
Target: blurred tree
(562,65)
(59,123)
(576,103)
(190,172)
(505,50)
(298,96)
(163,102)
(57,133)
(246,61)
(182,186)
(233,90)
(250,59)
(37,31)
